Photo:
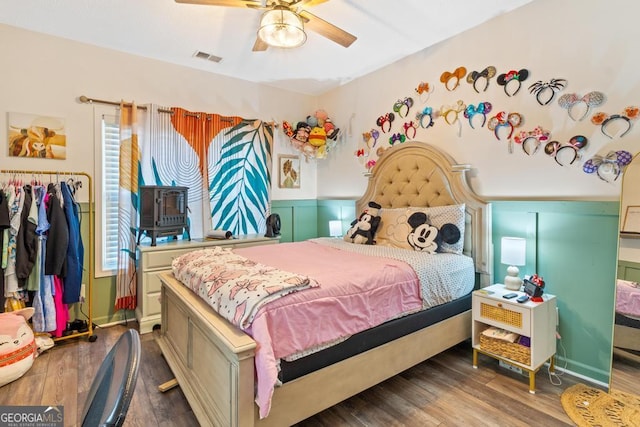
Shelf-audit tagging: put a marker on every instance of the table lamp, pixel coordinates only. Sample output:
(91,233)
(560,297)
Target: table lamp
(335,228)
(513,254)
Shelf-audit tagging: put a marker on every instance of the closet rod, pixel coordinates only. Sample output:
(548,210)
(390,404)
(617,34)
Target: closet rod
(87,100)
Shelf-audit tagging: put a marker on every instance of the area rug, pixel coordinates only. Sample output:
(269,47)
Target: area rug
(588,406)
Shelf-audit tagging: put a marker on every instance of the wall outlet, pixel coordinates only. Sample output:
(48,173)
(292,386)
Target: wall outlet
(510,367)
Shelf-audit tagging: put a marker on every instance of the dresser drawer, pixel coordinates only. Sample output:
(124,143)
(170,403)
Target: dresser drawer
(502,315)
(152,304)
(152,281)
(162,259)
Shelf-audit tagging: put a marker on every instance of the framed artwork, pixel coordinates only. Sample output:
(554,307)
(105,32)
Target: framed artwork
(631,223)
(288,171)
(34,136)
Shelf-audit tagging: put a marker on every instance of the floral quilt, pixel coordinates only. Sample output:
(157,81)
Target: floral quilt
(234,286)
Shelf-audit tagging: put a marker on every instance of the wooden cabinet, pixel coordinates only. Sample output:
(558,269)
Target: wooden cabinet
(533,320)
(157,259)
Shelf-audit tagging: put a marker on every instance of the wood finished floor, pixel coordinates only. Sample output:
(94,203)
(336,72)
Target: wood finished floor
(443,391)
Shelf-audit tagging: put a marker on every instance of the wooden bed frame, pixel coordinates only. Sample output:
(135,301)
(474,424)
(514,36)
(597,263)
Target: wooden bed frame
(213,361)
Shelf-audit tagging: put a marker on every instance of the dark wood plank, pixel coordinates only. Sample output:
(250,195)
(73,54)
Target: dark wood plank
(445,390)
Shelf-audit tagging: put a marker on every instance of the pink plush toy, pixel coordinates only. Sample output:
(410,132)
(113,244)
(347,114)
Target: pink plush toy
(17,345)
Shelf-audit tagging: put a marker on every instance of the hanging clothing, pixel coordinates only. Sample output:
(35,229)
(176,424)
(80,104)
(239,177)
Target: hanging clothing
(27,240)
(16,204)
(33,281)
(46,320)
(75,249)
(62,311)
(4,226)
(55,262)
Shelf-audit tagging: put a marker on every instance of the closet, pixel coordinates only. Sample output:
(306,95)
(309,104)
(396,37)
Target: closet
(63,187)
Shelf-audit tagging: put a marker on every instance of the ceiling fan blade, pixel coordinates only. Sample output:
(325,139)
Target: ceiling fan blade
(310,3)
(259,45)
(228,3)
(326,29)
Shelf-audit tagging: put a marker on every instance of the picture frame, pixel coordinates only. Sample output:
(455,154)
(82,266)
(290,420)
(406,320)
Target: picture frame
(288,171)
(631,223)
(36,136)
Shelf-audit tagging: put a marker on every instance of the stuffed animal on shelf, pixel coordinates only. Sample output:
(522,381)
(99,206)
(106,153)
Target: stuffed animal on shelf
(427,238)
(363,229)
(317,137)
(17,345)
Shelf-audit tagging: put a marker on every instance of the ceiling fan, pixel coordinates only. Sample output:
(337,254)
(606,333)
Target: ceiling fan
(283,22)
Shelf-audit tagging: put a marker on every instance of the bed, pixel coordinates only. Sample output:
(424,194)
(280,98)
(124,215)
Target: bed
(626,337)
(214,361)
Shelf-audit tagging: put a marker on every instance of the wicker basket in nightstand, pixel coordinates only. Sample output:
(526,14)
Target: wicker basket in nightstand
(508,350)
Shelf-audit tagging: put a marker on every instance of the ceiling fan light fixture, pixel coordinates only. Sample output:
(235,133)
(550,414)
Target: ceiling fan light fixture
(281,27)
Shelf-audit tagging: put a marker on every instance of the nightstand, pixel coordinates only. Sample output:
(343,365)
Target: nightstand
(535,320)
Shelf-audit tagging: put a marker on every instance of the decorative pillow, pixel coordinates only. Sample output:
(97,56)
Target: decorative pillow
(435,229)
(363,229)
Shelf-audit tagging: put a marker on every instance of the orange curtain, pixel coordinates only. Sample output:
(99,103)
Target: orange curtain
(199,129)
(127,213)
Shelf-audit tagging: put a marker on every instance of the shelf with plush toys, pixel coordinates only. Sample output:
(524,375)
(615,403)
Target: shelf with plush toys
(314,136)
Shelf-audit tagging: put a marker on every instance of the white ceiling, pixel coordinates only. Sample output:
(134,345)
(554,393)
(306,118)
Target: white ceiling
(162,29)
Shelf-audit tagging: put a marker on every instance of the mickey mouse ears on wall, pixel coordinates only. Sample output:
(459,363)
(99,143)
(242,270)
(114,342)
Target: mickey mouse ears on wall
(486,74)
(512,81)
(452,80)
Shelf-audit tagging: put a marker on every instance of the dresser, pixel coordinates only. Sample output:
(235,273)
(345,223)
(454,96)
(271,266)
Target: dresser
(536,321)
(157,259)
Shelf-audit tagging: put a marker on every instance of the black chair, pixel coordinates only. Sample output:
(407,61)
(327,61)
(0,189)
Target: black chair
(112,388)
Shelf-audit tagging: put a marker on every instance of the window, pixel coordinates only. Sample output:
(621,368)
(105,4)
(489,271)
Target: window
(109,178)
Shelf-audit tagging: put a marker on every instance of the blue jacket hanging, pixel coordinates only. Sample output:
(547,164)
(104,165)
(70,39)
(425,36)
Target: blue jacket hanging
(75,249)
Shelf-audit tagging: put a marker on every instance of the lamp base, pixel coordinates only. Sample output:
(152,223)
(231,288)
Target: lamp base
(511,281)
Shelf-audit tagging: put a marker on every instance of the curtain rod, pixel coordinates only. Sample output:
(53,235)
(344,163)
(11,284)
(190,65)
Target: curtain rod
(87,100)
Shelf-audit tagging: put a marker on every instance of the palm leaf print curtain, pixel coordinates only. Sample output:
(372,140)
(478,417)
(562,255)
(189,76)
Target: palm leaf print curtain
(240,177)
(235,159)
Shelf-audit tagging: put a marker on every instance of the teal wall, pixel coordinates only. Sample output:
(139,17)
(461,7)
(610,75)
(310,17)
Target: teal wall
(306,219)
(298,219)
(573,246)
(328,210)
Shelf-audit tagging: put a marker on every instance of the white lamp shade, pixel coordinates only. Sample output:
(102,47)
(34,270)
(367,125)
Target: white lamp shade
(281,27)
(513,251)
(335,228)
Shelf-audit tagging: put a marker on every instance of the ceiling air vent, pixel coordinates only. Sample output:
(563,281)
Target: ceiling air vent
(207,56)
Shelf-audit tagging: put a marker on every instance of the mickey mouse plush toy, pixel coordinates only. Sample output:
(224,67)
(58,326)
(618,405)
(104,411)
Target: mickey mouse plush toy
(427,238)
(365,226)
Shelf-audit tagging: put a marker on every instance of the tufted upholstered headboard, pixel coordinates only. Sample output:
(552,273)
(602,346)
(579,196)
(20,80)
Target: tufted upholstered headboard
(421,175)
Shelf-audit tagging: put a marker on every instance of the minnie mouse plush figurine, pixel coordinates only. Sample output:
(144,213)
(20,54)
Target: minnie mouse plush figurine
(363,229)
(427,238)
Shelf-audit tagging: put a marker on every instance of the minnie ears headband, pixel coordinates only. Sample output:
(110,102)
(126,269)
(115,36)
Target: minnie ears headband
(603,120)
(610,165)
(472,78)
(570,101)
(512,76)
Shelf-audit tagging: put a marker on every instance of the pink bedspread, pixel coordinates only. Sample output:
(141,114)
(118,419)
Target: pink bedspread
(356,292)
(628,298)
